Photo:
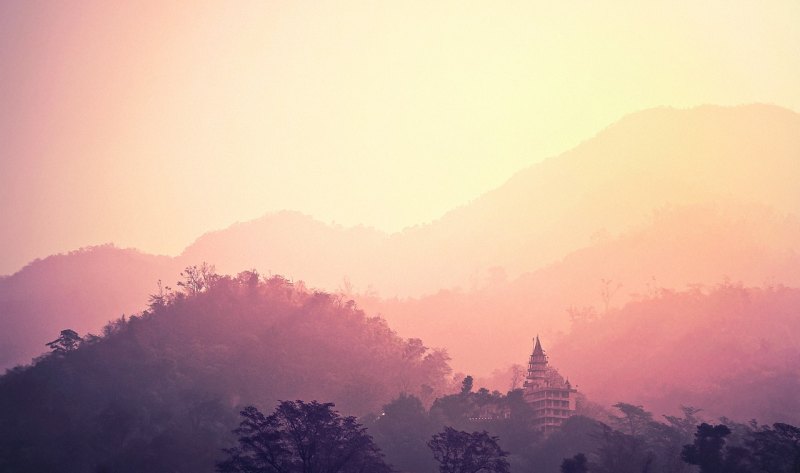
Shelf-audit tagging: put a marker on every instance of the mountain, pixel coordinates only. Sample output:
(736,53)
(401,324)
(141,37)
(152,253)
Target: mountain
(81,290)
(682,196)
(607,185)
(680,247)
(291,243)
(730,350)
(160,391)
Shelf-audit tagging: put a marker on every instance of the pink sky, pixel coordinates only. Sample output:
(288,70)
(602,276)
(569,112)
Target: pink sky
(148,124)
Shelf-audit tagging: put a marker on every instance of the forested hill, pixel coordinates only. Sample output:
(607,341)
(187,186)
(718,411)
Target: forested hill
(682,196)
(730,350)
(159,391)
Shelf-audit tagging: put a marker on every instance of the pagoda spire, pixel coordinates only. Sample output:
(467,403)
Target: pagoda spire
(537,365)
(537,346)
(551,397)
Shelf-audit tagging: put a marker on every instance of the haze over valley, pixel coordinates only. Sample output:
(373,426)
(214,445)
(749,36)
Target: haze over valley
(410,238)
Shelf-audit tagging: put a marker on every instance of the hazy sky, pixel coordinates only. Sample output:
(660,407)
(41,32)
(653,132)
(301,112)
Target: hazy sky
(149,123)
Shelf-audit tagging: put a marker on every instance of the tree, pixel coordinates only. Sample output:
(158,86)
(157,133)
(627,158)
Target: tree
(196,279)
(685,425)
(466,385)
(464,452)
(634,419)
(68,341)
(402,431)
(302,437)
(576,464)
(159,300)
(777,449)
(517,375)
(709,453)
(622,453)
(607,292)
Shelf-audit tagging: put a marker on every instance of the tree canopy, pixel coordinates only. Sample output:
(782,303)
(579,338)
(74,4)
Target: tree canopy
(302,437)
(465,452)
(159,390)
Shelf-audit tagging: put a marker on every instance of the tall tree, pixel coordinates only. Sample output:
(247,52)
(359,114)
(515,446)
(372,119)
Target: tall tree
(634,419)
(464,452)
(402,430)
(466,385)
(776,449)
(301,437)
(67,341)
(709,453)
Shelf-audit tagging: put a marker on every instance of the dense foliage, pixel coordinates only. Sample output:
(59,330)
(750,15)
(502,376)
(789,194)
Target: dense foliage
(733,350)
(302,437)
(457,451)
(628,440)
(159,391)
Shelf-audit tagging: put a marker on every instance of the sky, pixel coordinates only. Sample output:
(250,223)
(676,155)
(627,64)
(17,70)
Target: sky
(149,123)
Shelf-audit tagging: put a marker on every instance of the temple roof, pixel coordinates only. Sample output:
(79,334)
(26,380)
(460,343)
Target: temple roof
(537,348)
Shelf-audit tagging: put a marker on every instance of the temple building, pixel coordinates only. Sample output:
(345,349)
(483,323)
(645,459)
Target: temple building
(552,397)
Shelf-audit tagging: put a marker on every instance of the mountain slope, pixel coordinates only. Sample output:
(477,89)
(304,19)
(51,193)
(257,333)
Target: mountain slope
(680,247)
(613,182)
(729,350)
(81,290)
(160,391)
(290,243)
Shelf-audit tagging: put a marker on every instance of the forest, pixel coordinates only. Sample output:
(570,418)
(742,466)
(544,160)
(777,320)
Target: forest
(165,389)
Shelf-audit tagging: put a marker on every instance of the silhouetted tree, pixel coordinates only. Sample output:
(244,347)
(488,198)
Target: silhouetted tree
(302,437)
(464,452)
(577,434)
(160,299)
(687,424)
(622,453)
(634,419)
(776,449)
(576,464)
(68,341)
(198,278)
(402,431)
(709,453)
(466,385)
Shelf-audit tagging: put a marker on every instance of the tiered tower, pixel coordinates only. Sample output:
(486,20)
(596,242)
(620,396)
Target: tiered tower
(552,398)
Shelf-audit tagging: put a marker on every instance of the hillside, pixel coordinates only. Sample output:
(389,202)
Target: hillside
(82,290)
(729,350)
(292,243)
(159,391)
(680,247)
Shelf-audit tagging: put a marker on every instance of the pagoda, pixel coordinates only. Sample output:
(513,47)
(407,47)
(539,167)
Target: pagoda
(551,396)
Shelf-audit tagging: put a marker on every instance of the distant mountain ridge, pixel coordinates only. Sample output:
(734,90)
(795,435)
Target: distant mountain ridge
(570,206)
(608,184)
(81,290)
(727,349)
(680,248)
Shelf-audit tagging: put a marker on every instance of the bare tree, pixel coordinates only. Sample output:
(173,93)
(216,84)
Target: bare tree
(607,292)
(196,279)
(517,375)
